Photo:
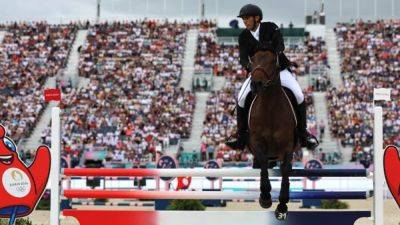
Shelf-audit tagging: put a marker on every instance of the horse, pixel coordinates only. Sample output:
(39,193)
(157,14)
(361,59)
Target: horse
(272,127)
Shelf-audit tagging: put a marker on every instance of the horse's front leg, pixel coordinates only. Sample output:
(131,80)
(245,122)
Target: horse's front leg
(265,186)
(286,168)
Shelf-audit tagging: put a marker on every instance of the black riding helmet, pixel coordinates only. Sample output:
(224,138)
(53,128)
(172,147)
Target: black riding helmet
(250,10)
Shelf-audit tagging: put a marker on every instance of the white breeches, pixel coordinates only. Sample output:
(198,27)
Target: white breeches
(287,80)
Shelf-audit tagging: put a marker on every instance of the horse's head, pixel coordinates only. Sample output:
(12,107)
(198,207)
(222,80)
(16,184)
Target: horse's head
(265,72)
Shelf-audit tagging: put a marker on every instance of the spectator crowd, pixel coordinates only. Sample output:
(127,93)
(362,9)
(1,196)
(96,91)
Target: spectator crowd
(30,53)
(132,105)
(370,53)
(310,55)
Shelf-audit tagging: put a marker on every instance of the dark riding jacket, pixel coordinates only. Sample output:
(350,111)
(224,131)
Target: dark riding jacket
(270,36)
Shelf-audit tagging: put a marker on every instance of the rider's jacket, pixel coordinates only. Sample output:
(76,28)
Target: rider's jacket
(270,37)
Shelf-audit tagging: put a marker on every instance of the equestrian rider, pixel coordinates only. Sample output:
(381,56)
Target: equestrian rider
(255,34)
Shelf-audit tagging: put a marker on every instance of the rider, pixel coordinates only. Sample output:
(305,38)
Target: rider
(257,33)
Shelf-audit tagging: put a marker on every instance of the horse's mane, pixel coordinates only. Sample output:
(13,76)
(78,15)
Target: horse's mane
(263,57)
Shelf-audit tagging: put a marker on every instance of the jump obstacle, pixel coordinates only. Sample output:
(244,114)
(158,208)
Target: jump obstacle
(111,217)
(212,195)
(148,178)
(135,204)
(211,172)
(86,217)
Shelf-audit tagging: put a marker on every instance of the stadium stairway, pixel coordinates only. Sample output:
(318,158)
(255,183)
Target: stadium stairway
(321,112)
(334,61)
(2,34)
(71,71)
(333,58)
(201,97)
(35,139)
(188,61)
(193,143)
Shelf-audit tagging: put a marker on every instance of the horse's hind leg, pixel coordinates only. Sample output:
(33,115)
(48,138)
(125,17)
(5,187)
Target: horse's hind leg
(265,186)
(286,168)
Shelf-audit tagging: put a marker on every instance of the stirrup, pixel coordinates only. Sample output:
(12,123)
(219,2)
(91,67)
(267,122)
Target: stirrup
(237,143)
(312,141)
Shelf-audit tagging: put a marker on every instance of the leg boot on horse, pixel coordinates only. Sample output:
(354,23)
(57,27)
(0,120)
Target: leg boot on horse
(286,168)
(265,198)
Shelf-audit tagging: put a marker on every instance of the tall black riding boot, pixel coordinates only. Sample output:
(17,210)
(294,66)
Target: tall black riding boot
(306,139)
(242,130)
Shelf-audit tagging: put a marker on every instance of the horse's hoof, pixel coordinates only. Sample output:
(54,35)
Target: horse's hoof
(265,203)
(281,213)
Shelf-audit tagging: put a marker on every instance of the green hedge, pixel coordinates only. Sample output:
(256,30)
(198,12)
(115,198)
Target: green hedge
(21,221)
(190,205)
(334,204)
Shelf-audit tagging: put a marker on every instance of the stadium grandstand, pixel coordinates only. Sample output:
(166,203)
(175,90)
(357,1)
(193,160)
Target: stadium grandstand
(144,79)
(132,88)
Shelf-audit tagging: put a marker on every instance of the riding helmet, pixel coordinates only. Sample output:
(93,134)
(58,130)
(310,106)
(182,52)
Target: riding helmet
(250,10)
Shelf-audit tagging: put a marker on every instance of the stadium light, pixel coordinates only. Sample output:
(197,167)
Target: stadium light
(98,11)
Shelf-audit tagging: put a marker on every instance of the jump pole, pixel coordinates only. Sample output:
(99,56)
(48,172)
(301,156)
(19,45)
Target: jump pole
(210,195)
(55,166)
(380,94)
(378,167)
(200,172)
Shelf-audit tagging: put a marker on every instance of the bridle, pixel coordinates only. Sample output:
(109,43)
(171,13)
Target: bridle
(270,82)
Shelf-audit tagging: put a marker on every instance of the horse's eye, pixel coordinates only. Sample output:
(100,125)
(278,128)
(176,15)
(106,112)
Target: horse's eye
(10,145)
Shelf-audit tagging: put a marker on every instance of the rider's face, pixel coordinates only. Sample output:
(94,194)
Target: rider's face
(251,22)
(248,22)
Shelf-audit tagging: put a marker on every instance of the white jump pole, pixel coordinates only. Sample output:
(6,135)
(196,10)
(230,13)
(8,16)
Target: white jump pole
(377,213)
(55,166)
(378,166)
(216,195)
(200,172)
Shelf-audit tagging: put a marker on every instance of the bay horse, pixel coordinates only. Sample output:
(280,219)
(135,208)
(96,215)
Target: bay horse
(272,127)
